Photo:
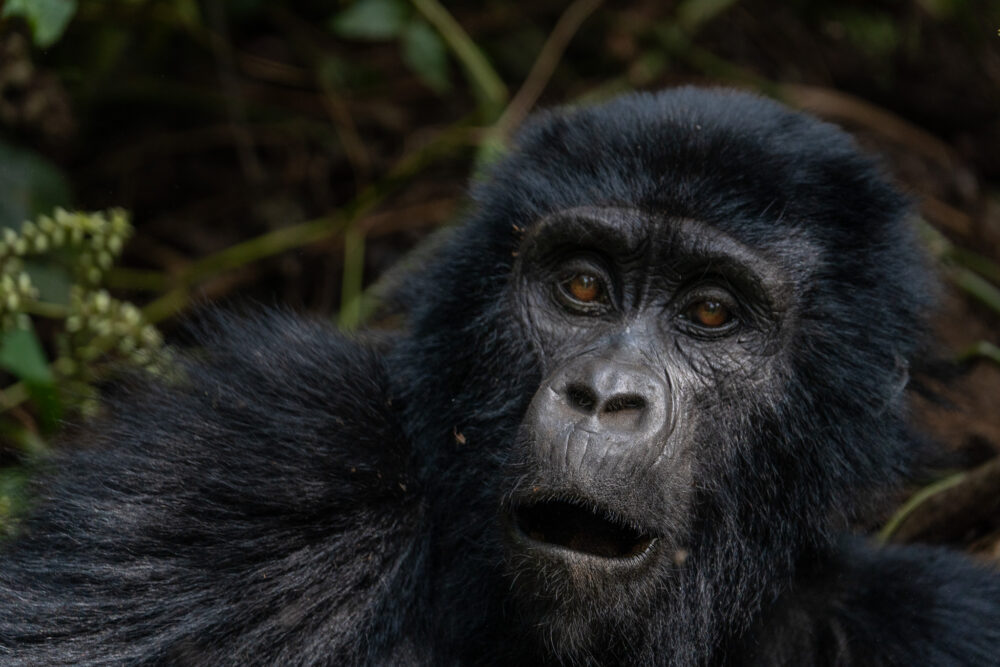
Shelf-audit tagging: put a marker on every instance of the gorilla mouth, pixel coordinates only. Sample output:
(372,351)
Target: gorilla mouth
(577,528)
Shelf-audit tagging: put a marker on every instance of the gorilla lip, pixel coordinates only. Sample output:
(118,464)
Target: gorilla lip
(574,526)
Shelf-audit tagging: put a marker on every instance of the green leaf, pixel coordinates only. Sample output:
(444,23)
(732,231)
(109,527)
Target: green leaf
(426,54)
(46,18)
(29,186)
(372,19)
(22,355)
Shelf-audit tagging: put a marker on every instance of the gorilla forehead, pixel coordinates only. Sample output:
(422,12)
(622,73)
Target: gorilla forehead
(731,159)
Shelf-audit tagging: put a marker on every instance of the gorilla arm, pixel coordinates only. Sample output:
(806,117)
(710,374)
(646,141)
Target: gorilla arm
(258,511)
(884,606)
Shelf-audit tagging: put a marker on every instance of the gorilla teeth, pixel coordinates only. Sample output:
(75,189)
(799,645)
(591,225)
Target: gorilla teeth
(576,528)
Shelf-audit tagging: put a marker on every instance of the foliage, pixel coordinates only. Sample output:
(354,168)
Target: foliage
(46,18)
(95,327)
(422,49)
(29,184)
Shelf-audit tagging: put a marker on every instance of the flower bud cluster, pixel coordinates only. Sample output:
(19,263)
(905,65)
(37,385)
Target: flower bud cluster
(98,239)
(15,289)
(98,324)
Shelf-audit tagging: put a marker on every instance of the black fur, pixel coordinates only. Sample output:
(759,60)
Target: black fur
(260,513)
(308,499)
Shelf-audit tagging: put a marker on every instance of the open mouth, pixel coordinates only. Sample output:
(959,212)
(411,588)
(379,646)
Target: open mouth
(578,528)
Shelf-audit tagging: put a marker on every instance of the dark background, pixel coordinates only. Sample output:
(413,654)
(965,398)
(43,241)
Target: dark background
(291,152)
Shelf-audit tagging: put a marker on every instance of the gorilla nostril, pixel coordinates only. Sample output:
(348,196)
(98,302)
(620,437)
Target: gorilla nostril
(625,403)
(624,412)
(581,398)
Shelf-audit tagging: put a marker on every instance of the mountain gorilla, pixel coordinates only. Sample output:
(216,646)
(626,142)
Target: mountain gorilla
(639,396)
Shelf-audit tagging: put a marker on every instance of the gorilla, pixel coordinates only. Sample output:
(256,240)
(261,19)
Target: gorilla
(640,397)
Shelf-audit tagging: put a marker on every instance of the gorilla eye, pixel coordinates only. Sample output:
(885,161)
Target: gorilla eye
(585,287)
(709,314)
(583,290)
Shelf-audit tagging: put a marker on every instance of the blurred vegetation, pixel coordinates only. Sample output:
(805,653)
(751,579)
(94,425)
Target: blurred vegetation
(291,151)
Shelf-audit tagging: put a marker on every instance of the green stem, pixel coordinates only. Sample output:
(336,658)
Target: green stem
(354,266)
(915,501)
(170,303)
(13,395)
(490,89)
(984,266)
(45,309)
(289,238)
(984,349)
(136,279)
(978,287)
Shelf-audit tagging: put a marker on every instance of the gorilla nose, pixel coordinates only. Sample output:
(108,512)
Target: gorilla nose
(619,397)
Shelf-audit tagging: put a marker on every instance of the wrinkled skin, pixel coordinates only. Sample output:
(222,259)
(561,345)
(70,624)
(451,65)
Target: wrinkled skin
(641,393)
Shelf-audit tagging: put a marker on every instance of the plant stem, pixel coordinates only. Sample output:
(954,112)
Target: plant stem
(354,264)
(490,89)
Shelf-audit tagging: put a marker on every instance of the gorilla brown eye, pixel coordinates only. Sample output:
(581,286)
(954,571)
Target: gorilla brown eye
(585,288)
(709,314)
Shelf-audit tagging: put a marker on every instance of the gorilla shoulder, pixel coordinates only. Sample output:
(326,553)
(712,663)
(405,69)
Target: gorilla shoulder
(258,509)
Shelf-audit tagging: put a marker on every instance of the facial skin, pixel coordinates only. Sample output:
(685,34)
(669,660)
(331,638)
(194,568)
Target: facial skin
(645,327)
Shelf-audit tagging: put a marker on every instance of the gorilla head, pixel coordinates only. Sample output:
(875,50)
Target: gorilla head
(661,365)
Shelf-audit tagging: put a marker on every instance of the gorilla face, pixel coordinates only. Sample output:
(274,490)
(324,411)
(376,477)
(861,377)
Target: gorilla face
(645,328)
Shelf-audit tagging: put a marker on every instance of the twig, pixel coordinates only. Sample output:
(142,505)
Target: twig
(287,238)
(136,279)
(300,39)
(980,349)
(980,288)
(842,106)
(948,509)
(13,395)
(965,268)
(44,309)
(220,44)
(489,88)
(354,264)
(984,266)
(545,64)
(915,501)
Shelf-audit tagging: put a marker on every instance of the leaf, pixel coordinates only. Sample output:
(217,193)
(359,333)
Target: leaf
(372,19)
(22,355)
(426,54)
(29,186)
(46,18)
